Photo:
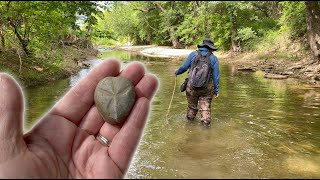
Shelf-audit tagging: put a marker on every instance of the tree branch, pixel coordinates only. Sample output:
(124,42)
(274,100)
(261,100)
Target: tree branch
(145,10)
(262,9)
(197,3)
(160,7)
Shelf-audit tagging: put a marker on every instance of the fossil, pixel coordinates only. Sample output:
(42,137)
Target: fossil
(114,98)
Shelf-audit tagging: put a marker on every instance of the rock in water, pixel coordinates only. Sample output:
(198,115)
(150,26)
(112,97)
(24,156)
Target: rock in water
(114,98)
(275,76)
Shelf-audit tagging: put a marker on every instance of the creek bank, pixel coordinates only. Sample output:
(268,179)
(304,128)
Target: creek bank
(299,66)
(305,68)
(31,71)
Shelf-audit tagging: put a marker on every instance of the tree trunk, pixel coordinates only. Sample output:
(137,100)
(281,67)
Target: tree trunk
(206,24)
(313,27)
(275,8)
(2,39)
(174,40)
(195,6)
(176,44)
(23,42)
(235,45)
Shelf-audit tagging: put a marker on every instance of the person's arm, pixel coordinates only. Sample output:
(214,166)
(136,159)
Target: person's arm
(215,74)
(186,64)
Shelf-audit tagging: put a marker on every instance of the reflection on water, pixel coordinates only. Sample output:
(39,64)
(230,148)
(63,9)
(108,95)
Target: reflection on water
(40,99)
(261,128)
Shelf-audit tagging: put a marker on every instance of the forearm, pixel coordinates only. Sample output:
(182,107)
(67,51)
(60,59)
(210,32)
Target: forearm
(181,70)
(216,77)
(216,85)
(186,64)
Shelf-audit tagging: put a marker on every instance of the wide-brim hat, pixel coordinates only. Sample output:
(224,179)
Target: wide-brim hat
(207,43)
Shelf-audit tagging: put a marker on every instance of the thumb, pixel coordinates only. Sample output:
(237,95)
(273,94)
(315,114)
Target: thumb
(11,116)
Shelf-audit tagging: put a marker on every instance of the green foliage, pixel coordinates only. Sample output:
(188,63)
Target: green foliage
(161,22)
(294,17)
(36,27)
(245,34)
(39,27)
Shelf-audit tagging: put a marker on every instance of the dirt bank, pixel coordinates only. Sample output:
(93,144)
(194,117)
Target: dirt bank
(274,64)
(35,71)
(300,66)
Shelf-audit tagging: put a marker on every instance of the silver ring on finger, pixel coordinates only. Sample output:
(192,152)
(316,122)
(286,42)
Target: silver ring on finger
(103,140)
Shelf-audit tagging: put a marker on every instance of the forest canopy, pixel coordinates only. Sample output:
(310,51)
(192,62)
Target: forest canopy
(233,25)
(35,28)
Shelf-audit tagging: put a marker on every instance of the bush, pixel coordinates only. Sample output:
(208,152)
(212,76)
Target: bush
(294,17)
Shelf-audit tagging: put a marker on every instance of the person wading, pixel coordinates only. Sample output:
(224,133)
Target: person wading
(202,83)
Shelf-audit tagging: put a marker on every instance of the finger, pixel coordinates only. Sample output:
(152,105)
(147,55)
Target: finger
(110,130)
(92,122)
(134,72)
(77,102)
(147,86)
(11,116)
(125,142)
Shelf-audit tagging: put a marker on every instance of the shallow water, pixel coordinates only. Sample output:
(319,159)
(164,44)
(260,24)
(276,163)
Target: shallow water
(261,128)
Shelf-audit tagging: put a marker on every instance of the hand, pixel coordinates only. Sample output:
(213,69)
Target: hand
(215,95)
(175,72)
(63,143)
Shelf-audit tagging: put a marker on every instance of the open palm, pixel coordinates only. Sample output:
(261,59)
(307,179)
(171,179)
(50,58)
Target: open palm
(63,143)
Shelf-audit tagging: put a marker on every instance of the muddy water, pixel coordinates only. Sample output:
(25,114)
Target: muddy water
(261,128)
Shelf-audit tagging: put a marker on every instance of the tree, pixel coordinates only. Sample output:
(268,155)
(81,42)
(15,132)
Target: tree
(170,16)
(39,24)
(294,16)
(313,27)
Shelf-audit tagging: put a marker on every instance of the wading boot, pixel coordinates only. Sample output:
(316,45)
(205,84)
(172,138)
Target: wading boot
(206,123)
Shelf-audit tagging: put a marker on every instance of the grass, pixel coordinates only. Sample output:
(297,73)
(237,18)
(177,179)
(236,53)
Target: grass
(35,71)
(278,56)
(277,45)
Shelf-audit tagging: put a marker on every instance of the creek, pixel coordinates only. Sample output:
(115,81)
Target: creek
(261,128)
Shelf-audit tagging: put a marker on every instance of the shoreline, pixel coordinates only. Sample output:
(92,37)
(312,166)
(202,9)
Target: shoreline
(33,74)
(35,71)
(275,68)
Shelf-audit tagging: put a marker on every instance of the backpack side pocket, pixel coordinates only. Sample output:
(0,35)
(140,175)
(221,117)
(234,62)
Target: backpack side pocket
(183,86)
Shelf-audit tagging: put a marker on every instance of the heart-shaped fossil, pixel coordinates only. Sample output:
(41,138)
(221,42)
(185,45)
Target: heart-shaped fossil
(114,98)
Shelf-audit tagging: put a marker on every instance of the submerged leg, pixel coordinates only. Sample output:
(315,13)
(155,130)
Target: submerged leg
(205,108)
(192,98)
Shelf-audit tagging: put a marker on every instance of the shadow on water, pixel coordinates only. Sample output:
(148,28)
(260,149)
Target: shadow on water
(261,128)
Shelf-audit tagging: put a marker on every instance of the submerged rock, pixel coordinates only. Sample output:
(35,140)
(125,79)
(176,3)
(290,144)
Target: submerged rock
(246,69)
(114,98)
(275,76)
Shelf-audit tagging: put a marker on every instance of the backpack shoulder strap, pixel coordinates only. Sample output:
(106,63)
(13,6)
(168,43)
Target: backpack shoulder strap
(209,61)
(197,53)
(208,57)
(194,59)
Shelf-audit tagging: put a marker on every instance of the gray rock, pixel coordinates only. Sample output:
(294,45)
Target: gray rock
(246,69)
(275,76)
(114,98)
(295,67)
(288,73)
